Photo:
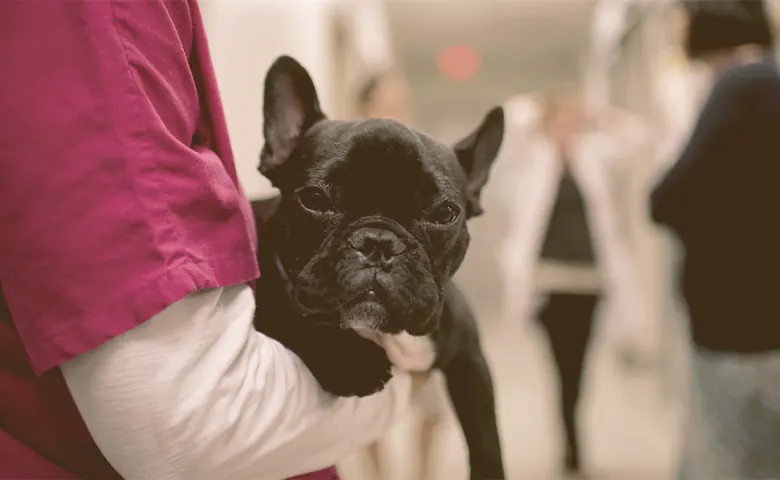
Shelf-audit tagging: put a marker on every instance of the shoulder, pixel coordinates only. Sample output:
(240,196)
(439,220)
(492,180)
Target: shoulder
(522,111)
(754,71)
(747,78)
(522,114)
(741,93)
(521,132)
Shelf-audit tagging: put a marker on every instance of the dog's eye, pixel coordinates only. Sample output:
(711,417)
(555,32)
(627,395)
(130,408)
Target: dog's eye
(314,199)
(444,214)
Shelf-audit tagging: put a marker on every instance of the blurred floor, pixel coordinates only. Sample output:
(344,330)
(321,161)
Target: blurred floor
(629,427)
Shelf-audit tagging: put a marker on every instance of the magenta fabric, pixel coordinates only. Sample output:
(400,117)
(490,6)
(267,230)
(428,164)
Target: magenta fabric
(118,197)
(119,194)
(42,435)
(28,463)
(327,474)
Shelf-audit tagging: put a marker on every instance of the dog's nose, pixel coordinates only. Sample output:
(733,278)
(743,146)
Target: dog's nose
(377,245)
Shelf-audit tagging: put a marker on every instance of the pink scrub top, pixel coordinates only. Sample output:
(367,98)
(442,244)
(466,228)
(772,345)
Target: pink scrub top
(118,197)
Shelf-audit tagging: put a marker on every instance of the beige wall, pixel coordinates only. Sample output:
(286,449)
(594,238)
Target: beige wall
(245,38)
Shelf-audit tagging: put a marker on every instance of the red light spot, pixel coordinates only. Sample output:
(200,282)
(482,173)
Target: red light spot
(458,63)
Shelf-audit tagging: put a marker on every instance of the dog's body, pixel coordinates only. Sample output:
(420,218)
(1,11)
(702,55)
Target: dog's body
(369,229)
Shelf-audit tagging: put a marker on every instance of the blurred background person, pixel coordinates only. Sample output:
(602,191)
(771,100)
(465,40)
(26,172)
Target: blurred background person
(566,247)
(717,199)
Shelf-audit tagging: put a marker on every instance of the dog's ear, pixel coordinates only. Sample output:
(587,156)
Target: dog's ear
(290,108)
(476,154)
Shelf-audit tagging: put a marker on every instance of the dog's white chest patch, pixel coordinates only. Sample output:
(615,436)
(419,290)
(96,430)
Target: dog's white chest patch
(405,351)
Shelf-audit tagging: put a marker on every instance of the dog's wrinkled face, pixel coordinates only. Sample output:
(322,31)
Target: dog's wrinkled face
(372,221)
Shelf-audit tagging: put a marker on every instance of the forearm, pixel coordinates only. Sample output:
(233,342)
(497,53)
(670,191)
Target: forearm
(196,392)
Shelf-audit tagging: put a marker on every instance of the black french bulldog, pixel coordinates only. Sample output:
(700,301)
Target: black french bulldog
(368,232)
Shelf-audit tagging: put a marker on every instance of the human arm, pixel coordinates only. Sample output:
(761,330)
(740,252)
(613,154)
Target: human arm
(522,113)
(515,177)
(197,393)
(628,308)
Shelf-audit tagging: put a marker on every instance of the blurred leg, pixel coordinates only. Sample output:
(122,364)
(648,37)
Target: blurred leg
(568,319)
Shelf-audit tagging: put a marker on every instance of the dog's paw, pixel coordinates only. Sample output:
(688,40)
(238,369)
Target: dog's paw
(349,365)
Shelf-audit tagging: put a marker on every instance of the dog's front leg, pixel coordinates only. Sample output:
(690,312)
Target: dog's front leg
(471,391)
(343,362)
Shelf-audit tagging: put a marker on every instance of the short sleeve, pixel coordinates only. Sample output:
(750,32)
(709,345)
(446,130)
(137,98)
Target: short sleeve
(114,202)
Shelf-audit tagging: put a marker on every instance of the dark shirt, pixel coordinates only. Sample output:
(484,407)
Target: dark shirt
(722,198)
(568,236)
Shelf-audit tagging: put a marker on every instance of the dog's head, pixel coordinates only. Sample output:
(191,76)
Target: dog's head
(372,220)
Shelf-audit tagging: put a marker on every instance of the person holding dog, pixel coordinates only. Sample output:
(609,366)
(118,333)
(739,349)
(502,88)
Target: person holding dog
(127,254)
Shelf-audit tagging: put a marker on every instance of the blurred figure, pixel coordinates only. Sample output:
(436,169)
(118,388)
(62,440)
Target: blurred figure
(387,95)
(565,240)
(717,199)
